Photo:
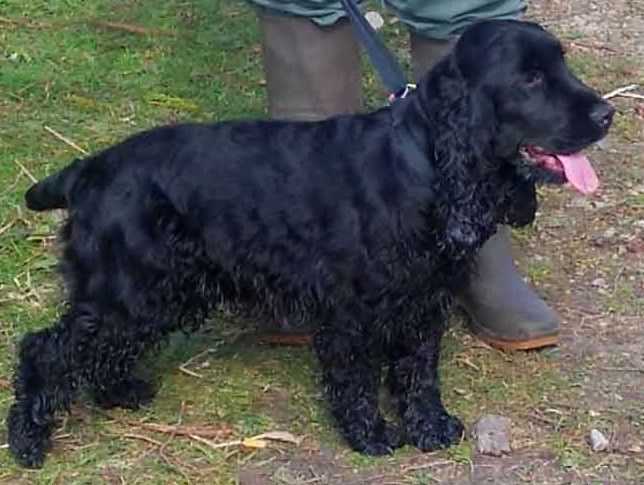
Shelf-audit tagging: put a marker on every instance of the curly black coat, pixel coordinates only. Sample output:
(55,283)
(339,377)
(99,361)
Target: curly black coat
(366,225)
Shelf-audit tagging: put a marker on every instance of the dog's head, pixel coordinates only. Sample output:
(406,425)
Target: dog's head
(544,116)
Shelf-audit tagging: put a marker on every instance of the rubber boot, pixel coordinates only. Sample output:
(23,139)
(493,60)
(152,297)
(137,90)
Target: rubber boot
(504,312)
(312,73)
(426,53)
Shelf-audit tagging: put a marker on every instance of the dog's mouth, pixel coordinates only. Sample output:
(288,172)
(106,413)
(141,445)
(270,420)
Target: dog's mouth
(574,168)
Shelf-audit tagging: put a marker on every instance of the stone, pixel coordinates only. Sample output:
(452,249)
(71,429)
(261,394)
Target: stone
(492,435)
(597,441)
(375,19)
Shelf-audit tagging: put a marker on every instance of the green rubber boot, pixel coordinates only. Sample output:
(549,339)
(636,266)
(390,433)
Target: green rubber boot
(312,72)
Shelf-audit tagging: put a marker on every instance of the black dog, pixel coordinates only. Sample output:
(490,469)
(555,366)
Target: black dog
(366,225)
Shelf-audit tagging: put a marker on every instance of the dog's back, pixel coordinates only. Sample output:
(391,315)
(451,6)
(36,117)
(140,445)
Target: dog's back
(311,202)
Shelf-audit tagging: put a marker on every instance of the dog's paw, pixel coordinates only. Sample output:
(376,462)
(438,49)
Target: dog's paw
(130,393)
(437,432)
(381,439)
(28,441)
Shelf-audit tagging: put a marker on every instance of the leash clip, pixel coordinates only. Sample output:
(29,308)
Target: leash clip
(409,87)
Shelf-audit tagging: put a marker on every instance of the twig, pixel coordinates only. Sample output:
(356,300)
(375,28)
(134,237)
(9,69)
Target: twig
(131,28)
(163,455)
(6,227)
(175,467)
(24,169)
(624,369)
(189,372)
(618,91)
(543,420)
(631,95)
(65,140)
(424,466)
(202,431)
(213,445)
(583,45)
(183,367)
(142,438)
(468,363)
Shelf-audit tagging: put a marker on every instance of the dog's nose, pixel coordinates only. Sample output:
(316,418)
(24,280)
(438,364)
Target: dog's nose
(602,114)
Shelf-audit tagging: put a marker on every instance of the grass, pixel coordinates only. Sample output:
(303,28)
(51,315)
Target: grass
(200,60)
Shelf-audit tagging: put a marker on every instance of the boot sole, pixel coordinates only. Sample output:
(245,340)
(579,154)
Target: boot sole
(506,345)
(306,340)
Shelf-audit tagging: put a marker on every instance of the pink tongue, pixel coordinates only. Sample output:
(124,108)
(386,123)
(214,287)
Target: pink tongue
(579,172)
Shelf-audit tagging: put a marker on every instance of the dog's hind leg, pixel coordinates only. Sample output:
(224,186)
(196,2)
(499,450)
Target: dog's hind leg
(44,382)
(109,357)
(351,376)
(414,372)
(129,393)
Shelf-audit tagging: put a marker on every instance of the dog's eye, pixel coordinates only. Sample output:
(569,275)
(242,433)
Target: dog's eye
(533,78)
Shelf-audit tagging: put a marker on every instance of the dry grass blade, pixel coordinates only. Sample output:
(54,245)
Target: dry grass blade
(141,437)
(255,442)
(131,28)
(26,171)
(424,466)
(189,372)
(203,431)
(184,367)
(283,436)
(216,446)
(631,95)
(6,227)
(66,140)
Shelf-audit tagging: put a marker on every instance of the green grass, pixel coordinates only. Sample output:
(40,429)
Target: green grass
(94,86)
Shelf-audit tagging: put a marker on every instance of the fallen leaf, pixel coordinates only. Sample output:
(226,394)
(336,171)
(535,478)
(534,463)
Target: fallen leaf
(283,436)
(254,443)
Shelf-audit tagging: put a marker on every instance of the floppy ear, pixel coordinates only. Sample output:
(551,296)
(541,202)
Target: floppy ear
(462,128)
(461,116)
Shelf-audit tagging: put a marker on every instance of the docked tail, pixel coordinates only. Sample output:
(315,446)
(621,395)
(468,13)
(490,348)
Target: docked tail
(52,192)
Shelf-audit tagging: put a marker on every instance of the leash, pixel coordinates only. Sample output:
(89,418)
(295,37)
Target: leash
(390,72)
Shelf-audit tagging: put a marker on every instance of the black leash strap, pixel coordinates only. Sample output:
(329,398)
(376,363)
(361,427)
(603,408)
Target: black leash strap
(381,57)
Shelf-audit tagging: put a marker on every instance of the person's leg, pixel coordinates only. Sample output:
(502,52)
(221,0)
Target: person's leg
(312,66)
(503,310)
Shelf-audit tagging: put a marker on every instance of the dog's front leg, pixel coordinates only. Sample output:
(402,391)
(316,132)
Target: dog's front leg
(428,426)
(351,376)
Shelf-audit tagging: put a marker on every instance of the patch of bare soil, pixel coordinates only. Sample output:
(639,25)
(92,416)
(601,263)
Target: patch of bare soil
(612,27)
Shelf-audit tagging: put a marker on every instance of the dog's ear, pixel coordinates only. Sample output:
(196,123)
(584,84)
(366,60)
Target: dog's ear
(462,128)
(462,119)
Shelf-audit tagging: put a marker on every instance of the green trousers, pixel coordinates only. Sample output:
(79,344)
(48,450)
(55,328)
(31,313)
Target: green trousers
(435,19)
